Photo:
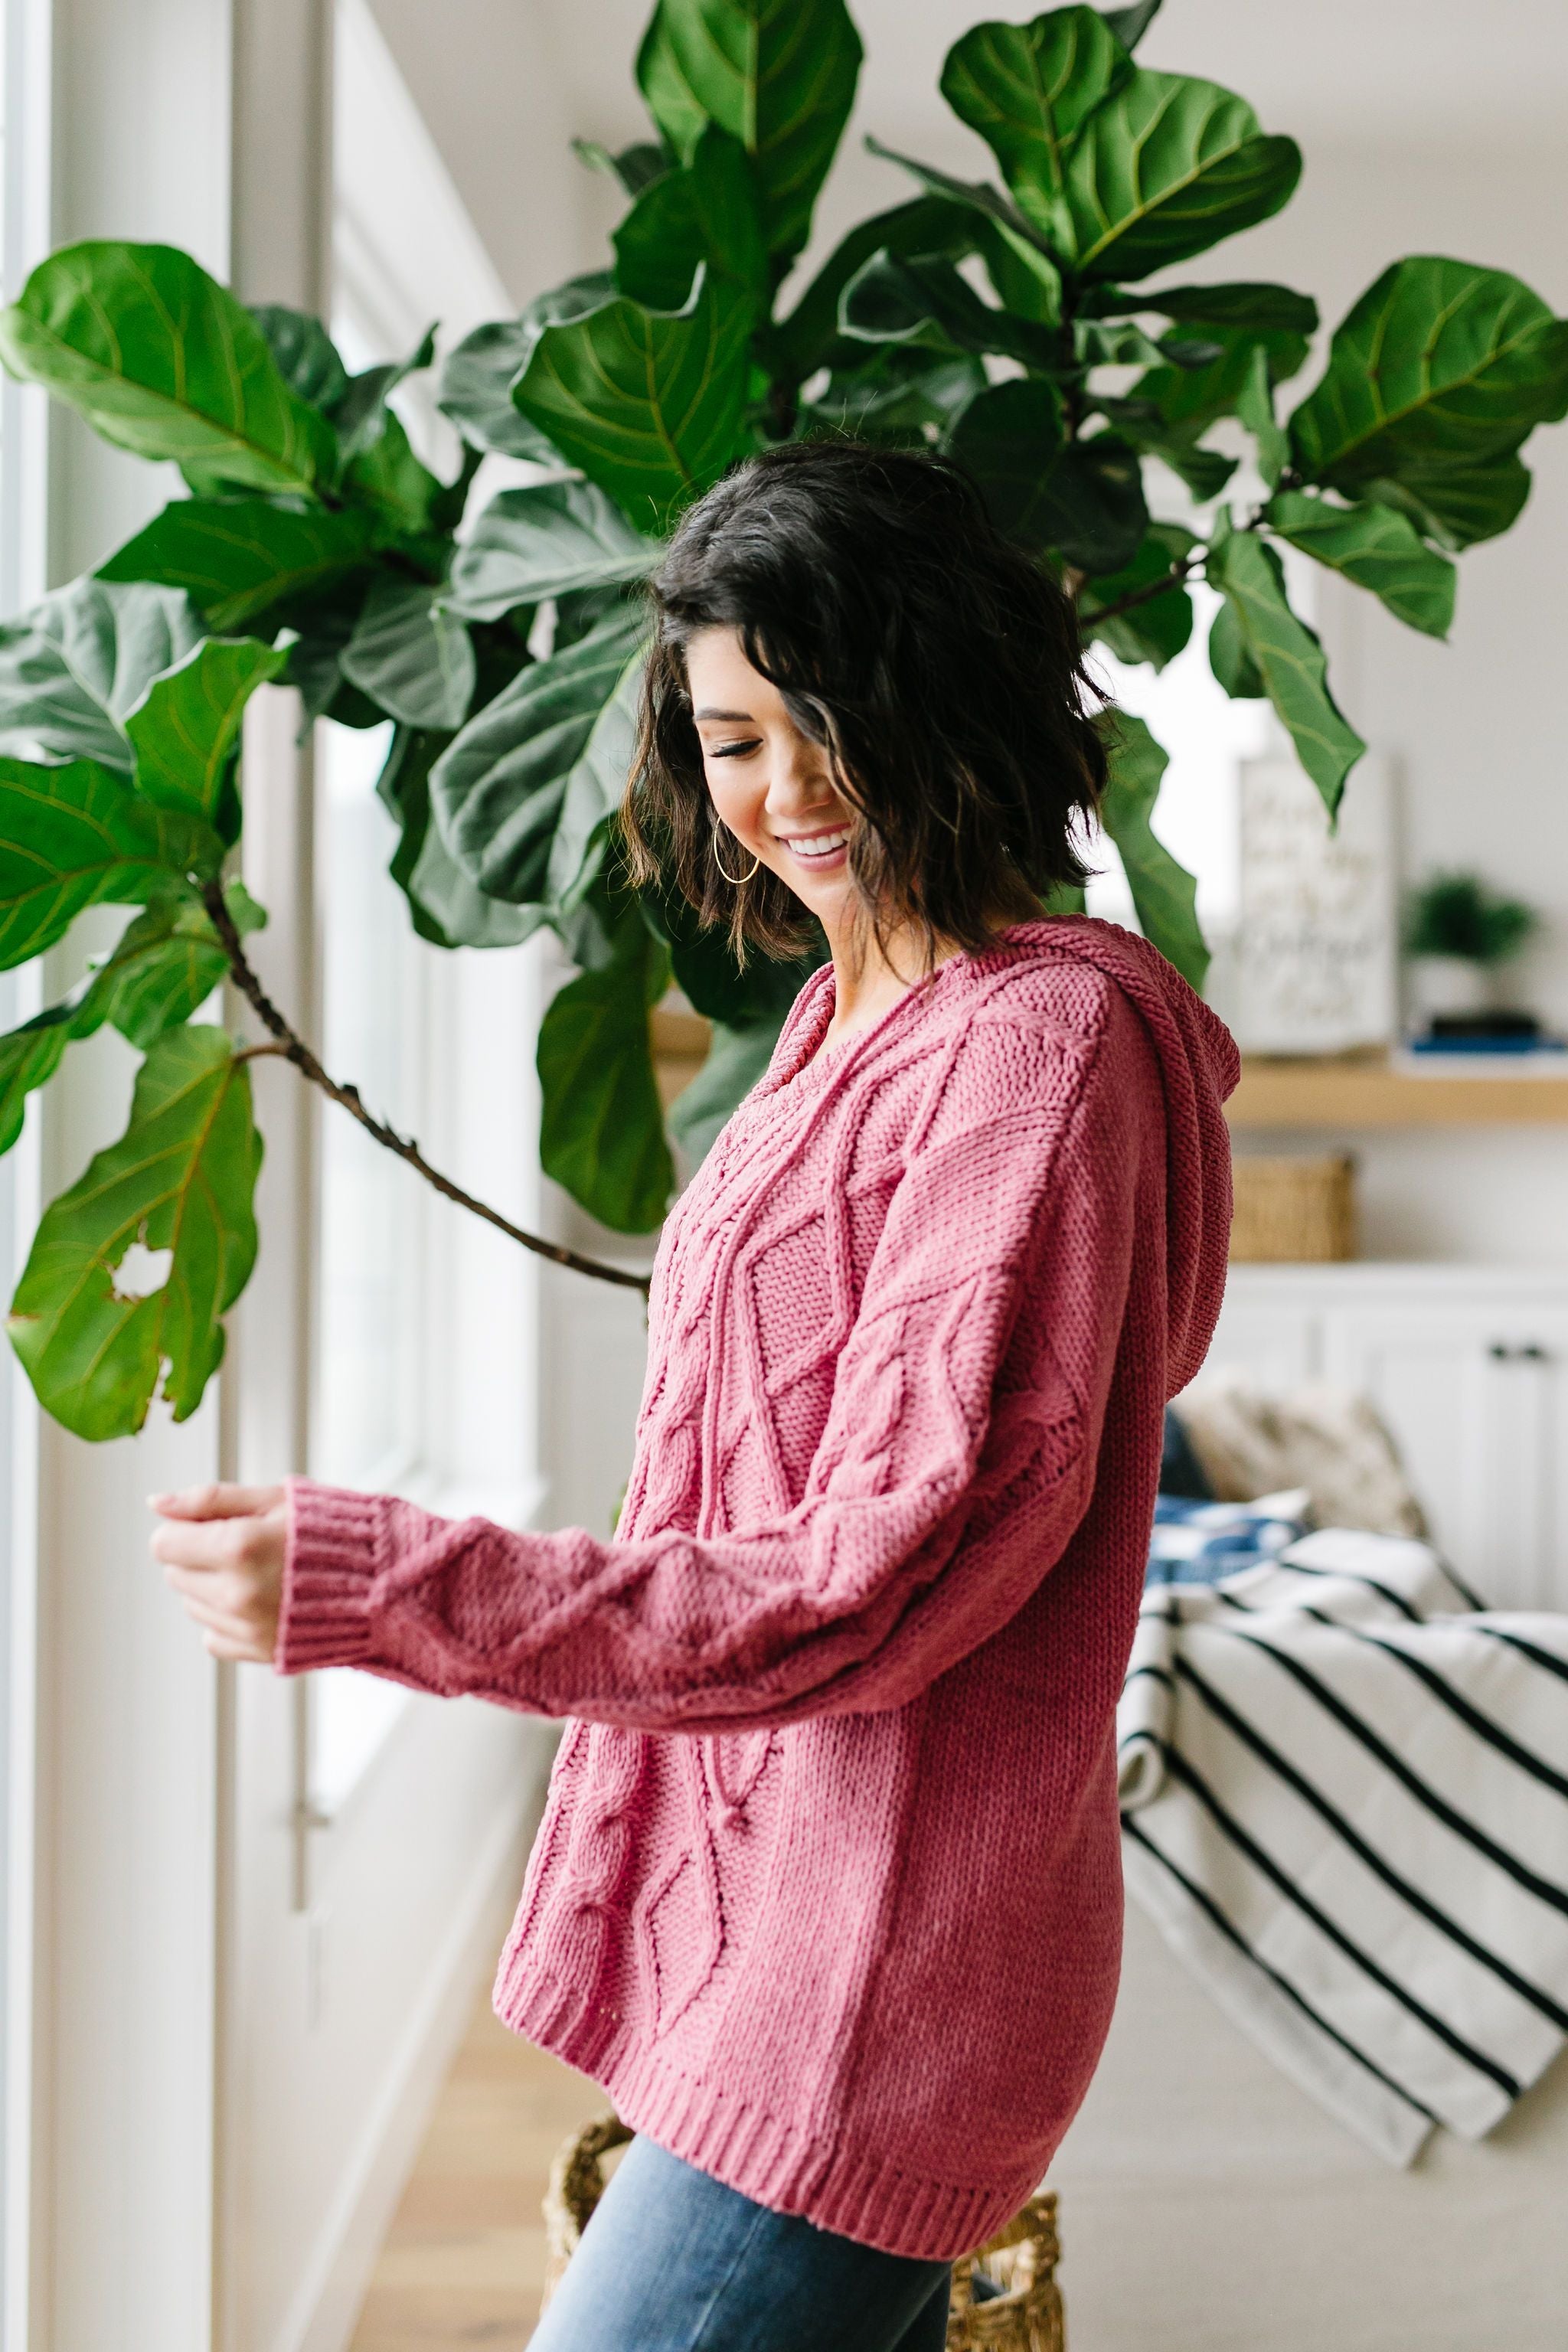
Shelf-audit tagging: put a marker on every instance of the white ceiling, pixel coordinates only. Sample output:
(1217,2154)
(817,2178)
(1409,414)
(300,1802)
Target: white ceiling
(1490,74)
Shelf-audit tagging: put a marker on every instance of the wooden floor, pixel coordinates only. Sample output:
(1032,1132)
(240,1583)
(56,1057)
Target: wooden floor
(463,2259)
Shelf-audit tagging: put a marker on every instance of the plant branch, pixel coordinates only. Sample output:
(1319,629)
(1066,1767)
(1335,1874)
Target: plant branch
(1182,570)
(1178,572)
(293,1048)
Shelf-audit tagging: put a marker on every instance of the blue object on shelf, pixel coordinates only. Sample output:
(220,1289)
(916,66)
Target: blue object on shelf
(1489,1048)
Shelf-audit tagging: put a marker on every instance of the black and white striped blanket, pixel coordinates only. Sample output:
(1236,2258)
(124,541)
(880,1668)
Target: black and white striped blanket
(1344,1796)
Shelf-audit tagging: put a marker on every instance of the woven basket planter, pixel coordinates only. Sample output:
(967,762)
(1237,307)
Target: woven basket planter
(1296,1211)
(1027,2316)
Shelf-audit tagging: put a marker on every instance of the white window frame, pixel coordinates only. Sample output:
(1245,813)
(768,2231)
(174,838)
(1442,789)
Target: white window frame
(404,254)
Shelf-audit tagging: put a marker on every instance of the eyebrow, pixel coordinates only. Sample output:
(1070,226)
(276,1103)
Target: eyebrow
(708,711)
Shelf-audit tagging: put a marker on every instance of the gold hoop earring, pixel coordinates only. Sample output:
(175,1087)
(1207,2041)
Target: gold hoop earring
(736,881)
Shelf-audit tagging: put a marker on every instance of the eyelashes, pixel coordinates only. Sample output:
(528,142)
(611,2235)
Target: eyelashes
(734,751)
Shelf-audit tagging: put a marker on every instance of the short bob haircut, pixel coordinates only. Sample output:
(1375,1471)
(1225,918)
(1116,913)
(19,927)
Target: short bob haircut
(940,668)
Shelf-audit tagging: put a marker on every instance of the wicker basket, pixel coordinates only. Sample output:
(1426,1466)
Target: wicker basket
(1302,1210)
(1027,2316)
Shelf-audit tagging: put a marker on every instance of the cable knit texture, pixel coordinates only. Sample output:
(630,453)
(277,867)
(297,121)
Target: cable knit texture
(828,1892)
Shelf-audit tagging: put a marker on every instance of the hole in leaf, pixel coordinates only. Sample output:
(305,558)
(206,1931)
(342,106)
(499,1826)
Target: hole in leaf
(143,1271)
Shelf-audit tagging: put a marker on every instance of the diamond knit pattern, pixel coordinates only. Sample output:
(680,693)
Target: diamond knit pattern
(827,1891)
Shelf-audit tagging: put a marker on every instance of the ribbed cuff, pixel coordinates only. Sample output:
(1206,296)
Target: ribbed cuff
(328,1571)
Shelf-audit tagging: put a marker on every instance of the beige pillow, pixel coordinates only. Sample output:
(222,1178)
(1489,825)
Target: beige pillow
(1331,1441)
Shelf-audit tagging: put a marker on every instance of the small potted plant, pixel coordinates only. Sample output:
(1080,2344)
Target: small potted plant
(1459,935)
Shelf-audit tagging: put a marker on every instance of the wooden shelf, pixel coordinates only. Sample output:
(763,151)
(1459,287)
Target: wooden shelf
(1368,1093)
(1361,1091)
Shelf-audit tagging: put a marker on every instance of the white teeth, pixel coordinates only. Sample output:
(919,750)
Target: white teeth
(816,844)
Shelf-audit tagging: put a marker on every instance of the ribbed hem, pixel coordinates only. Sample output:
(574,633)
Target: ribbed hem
(328,1571)
(848,2190)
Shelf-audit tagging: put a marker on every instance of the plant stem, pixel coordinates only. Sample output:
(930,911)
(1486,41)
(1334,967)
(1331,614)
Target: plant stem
(293,1048)
(1178,572)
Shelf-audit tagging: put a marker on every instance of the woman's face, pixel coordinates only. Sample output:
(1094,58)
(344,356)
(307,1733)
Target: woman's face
(772,786)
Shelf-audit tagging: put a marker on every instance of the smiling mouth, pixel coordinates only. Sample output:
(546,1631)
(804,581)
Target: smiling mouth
(815,848)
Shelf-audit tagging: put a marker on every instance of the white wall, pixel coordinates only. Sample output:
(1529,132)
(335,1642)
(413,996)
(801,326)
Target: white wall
(489,79)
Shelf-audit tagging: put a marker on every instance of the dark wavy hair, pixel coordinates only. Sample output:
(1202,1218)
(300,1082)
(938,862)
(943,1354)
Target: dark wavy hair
(941,670)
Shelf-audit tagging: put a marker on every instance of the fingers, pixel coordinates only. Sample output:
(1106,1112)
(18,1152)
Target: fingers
(236,1609)
(217,1501)
(226,1563)
(242,1651)
(213,1592)
(258,1540)
(203,1546)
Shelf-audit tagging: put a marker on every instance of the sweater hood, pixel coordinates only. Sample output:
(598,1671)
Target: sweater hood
(1199,1066)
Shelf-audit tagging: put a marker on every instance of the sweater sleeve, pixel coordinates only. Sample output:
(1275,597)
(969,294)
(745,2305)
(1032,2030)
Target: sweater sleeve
(958,1457)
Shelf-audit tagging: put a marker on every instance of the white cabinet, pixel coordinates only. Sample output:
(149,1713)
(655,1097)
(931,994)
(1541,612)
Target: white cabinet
(1469,1367)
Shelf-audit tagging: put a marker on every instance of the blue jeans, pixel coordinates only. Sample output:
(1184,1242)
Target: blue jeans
(674,2261)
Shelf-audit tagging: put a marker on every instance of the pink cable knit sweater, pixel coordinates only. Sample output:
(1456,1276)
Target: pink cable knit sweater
(828,1893)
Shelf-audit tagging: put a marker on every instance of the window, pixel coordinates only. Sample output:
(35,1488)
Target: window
(409,1397)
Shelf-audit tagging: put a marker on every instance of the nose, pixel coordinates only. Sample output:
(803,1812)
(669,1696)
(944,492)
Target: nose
(801,781)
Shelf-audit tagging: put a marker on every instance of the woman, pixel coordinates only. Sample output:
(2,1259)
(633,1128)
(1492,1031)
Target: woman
(828,1893)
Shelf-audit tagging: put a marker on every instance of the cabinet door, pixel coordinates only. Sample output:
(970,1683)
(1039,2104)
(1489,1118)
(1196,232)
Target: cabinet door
(1477,1398)
(1270,1334)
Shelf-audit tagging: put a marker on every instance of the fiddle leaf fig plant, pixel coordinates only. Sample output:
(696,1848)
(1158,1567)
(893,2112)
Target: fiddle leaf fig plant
(1134,427)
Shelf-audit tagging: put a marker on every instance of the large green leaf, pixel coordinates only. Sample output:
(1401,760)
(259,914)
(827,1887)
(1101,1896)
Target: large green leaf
(778,74)
(519,793)
(1165,168)
(1255,409)
(74,834)
(1204,471)
(163,360)
(396,486)
(1082,499)
(29,1056)
(552,538)
(737,1058)
(1457,505)
(1190,400)
(670,96)
(898,393)
(185,731)
(306,354)
(73,669)
(1130,24)
(167,963)
(706,970)
(1269,307)
(236,558)
(923,300)
(1287,658)
(648,402)
(1028,91)
(445,906)
(705,211)
(360,413)
(1163,893)
(183,1179)
(991,214)
(602,1128)
(476,382)
(1438,364)
(1231,660)
(412,658)
(806,339)
(1377,548)
(1157,630)
(633,168)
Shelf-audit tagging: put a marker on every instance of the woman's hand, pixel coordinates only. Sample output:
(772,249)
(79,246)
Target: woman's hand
(221,1550)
